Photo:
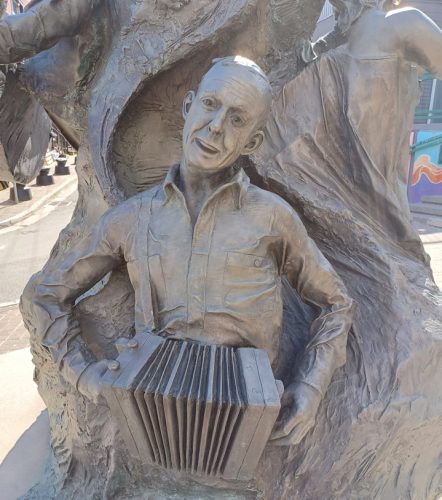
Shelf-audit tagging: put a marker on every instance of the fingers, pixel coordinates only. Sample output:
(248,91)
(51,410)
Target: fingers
(286,424)
(295,436)
(90,381)
(287,416)
(102,366)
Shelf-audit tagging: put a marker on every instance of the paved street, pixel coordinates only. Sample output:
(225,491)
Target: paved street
(24,248)
(431,236)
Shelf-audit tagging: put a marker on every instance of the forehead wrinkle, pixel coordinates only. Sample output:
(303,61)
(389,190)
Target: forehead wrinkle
(236,76)
(237,90)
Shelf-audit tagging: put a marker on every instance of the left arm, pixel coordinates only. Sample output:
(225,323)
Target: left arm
(41,27)
(419,39)
(317,283)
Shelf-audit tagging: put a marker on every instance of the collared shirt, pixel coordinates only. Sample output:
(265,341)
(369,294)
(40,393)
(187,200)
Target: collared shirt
(216,282)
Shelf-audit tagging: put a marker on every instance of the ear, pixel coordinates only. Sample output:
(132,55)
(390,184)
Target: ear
(187,103)
(254,143)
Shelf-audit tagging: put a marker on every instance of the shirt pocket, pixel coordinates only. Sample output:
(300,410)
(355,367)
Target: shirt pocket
(250,283)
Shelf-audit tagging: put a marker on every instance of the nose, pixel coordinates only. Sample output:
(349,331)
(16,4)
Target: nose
(215,125)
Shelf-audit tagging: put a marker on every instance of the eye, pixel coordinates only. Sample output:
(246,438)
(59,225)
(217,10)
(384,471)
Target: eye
(208,102)
(237,120)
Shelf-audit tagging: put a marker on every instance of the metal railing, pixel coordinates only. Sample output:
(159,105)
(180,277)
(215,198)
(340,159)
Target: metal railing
(429,114)
(427,143)
(425,115)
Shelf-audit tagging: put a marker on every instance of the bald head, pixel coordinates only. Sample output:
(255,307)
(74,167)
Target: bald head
(240,69)
(224,119)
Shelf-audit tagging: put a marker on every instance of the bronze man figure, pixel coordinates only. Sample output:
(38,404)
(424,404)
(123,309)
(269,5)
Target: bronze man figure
(205,252)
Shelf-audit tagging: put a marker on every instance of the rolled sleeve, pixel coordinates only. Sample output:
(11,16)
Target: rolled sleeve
(317,283)
(41,27)
(54,298)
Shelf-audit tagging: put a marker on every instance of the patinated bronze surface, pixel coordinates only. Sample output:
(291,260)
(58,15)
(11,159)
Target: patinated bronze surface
(205,253)
(24,130)
(117,95)
(341,157)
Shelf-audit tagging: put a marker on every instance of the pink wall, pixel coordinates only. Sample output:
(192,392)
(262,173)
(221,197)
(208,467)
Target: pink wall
(9,5)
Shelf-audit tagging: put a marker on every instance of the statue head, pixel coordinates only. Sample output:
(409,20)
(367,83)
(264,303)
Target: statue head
(225,117)
(349,11)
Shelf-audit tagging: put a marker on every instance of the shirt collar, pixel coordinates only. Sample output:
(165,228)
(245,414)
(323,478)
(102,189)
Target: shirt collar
(238,184)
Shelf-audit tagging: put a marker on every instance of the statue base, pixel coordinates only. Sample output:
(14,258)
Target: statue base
(24,193)
(44,179)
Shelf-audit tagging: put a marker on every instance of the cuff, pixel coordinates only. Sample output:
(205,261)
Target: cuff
(74,364)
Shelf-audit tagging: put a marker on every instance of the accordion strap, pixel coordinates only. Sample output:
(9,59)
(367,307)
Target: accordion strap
(144,222)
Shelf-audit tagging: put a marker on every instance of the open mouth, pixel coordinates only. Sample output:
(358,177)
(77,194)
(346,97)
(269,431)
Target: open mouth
(207,148)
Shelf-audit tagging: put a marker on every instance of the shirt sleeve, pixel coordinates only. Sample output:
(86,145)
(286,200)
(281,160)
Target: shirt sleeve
(41,27)
(54,297)
(310,273)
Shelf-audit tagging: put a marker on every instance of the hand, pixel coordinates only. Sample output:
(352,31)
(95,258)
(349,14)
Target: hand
(299,405)
(89,383)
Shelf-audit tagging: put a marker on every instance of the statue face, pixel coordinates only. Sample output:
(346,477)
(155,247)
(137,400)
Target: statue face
(223,117)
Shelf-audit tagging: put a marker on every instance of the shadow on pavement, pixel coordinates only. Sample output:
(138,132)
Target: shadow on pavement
(24,464)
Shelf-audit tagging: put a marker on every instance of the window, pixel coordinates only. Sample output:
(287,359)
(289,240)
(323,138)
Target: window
(327,11)
(424,104)
(429,109)
(17,7)
(436,108)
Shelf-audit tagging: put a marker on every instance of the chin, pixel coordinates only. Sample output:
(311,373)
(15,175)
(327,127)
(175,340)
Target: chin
(209,168)
(206,164)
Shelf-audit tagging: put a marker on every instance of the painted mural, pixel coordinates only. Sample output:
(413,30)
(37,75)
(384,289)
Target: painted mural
(426,171)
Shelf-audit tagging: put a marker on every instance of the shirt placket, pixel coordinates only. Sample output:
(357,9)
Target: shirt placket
(198,266)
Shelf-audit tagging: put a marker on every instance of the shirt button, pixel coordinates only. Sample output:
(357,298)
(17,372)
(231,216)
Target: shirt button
(258,262)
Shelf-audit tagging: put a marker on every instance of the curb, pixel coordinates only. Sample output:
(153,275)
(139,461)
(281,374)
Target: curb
(435,223)
(9,304)
(26,213)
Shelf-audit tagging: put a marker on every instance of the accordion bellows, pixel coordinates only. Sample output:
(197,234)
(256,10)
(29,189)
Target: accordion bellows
(200,409)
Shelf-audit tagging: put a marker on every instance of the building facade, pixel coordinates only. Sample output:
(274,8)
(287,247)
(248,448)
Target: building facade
(426,148)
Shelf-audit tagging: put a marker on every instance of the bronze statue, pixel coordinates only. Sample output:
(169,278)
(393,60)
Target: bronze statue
(332,158)
(350,86)
(205,252)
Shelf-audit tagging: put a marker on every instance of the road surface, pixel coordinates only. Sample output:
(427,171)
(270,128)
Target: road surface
(25,247)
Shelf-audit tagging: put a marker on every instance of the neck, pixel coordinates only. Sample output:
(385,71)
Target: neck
(203,183)
(198,186)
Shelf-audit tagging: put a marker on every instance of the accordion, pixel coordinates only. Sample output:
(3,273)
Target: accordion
(198,409)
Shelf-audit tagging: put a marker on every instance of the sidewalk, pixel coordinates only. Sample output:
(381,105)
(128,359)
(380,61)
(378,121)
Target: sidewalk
(11,213)
(13,335)
(430,231)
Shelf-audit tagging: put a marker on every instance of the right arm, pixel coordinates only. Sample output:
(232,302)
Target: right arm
(52,302)
(41,27)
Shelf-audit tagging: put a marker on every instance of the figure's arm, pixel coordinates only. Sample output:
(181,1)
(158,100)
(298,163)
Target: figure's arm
(317,283)
(419,39)
(51,304)
(41,27)
(329,41)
